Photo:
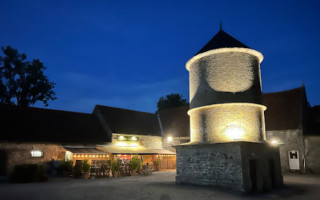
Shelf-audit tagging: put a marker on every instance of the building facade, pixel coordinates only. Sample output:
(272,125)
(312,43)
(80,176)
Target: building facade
(290,123)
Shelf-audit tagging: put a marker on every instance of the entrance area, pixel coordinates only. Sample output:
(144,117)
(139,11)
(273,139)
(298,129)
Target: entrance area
(272,173)
(253,175)
(294,164)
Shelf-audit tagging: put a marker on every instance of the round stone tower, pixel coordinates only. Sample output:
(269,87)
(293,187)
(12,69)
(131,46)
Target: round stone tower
(225,92)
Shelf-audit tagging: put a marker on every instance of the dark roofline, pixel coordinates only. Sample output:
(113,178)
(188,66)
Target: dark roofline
(41,125)
(289,90)
(124,109)
(125,121)
(222,40)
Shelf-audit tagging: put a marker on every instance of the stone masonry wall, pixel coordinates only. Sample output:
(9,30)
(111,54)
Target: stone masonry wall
(175,141)
(225,78)
(20,153)
(152,142)
(215,164)
(312,151)
(289,140)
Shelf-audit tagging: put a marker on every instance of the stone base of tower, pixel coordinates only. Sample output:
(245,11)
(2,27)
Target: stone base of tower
(240,166)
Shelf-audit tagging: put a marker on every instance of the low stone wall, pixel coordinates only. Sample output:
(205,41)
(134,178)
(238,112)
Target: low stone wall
(20,153)
(211,164)
(227,165)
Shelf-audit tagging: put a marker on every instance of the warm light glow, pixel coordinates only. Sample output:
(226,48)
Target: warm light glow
(121,144)
(134,138)
(227,122)
(169,139)
(234,132)
(36,153)
(274,142)
(121,137)
(134,144)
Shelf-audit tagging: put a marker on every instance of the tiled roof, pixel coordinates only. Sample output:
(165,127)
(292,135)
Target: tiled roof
(284,109)
(175,122)
(129,121)
(52,126)
(314,121)
(222,40)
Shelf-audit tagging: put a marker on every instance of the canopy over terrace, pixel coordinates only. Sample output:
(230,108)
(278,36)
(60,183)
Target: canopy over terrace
(134,150)
(86,153)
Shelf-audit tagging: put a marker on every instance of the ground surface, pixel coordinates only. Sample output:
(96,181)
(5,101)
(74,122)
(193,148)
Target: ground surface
(158,186)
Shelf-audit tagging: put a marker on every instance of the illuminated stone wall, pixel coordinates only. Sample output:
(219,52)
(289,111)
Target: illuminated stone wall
(175,141)
(225,77)
(227,122)
(152,142)
(288,140)
(225,96)
(227,165)
(20,153)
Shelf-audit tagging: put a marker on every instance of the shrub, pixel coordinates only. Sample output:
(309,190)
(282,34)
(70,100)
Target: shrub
(66,165)
(28,173)
(78,169)
(86,166)
(115,165)
(135,163)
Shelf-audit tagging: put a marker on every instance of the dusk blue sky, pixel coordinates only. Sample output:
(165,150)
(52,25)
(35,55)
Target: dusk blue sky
(127,54)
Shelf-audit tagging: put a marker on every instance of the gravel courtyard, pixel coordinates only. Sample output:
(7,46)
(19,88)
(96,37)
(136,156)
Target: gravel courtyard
(158,186)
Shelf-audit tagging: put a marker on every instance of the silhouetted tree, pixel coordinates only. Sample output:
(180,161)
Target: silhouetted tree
(171,101)
(23,82)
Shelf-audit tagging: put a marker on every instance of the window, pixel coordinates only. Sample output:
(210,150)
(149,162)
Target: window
(36,154)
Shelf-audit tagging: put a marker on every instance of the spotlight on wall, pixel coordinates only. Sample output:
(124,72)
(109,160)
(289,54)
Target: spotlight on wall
(274,142)
(121,137)
(134,138)
(169,139)
(234,132)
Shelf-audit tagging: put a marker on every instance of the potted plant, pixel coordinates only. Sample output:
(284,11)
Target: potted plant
(77,172)
(156,164)
(86,169)
(115,166)
(66,167)
(135,164)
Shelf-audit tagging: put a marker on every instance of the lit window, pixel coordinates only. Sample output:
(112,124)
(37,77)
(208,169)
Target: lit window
(36,154)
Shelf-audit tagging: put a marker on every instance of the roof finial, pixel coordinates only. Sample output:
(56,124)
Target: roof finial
(221,26)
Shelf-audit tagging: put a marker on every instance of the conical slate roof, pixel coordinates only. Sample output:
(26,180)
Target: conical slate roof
(222,40)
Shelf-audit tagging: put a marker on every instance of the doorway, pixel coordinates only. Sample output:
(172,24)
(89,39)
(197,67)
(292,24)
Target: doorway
(294,163)
(253,175)
(272,173)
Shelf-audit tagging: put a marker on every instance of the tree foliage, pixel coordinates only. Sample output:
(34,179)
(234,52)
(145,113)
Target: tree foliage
(23,82)
(171,101)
